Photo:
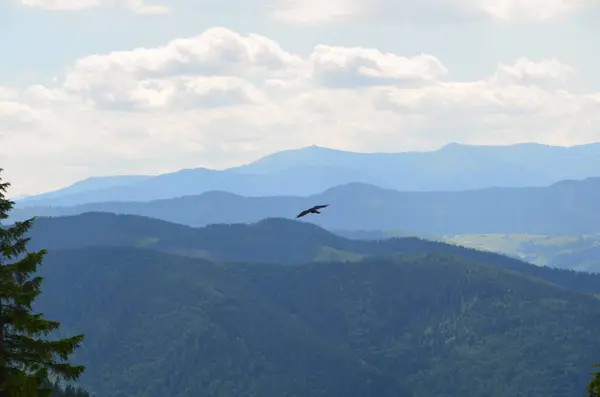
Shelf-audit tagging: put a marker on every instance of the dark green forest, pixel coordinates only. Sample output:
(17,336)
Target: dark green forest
(414,325)
(274,240)
(285,308)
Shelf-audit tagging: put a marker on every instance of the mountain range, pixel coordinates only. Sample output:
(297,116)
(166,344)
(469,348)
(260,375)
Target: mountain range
(285,308)
(201,283)
(310,170)
(566,207)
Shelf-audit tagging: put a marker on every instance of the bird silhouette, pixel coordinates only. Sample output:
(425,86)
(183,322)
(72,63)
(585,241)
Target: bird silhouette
(313,210)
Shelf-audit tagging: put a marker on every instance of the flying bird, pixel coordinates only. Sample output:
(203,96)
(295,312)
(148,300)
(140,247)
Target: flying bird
(313,210)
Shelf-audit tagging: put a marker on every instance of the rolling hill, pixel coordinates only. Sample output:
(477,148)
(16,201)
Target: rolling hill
(565,251)
(423,325)
(567,207)
(310,170)
(272,240)
(584,259)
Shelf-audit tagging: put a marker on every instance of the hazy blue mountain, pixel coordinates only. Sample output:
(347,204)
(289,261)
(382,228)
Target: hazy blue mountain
(202,180)
(564,208)
(313,169)
(89,184)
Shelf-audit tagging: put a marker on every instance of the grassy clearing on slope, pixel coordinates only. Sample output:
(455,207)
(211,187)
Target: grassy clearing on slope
(506,243)
(328,254)
(535,248)
(146,241)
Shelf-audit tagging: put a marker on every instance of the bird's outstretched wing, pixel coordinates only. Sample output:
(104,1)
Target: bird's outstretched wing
(318,207)
(303,213)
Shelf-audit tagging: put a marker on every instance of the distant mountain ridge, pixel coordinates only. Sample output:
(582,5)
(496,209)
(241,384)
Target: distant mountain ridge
(309,170)
(564,208)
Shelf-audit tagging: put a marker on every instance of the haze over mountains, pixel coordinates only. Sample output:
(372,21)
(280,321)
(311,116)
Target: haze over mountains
(566,207)
(514,218)
(310,170)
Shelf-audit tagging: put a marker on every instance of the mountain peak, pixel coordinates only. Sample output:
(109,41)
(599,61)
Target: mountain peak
(356,187)
(453,145)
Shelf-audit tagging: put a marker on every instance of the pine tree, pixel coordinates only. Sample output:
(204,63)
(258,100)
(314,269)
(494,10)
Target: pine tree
(593,387)
(28,358)
(68,391)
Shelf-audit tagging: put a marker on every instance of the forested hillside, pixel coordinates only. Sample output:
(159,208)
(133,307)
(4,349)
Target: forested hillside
(280,241)
(432,325)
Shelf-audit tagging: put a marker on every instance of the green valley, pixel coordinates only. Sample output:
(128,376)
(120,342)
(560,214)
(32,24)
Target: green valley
(556,251)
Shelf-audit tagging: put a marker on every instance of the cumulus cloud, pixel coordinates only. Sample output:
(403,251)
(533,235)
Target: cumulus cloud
(528,72)
(216,68)
(217,51)
(350,67)
(222,98)
(137,6)
(179,92)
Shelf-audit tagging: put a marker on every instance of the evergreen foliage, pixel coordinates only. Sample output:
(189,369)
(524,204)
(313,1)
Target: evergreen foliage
(594,385)
(410,325)
(28,359)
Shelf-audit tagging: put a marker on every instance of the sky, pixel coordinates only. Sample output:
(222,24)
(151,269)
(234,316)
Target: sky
(110,87)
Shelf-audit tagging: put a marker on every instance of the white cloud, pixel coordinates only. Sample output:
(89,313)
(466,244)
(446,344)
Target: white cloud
(62,5)
(140,7)
(314,11)
(220,99)
(526,72)
(532,9)
(137,6)
(306,12)
(348,67)
(217,68)
(217,51)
